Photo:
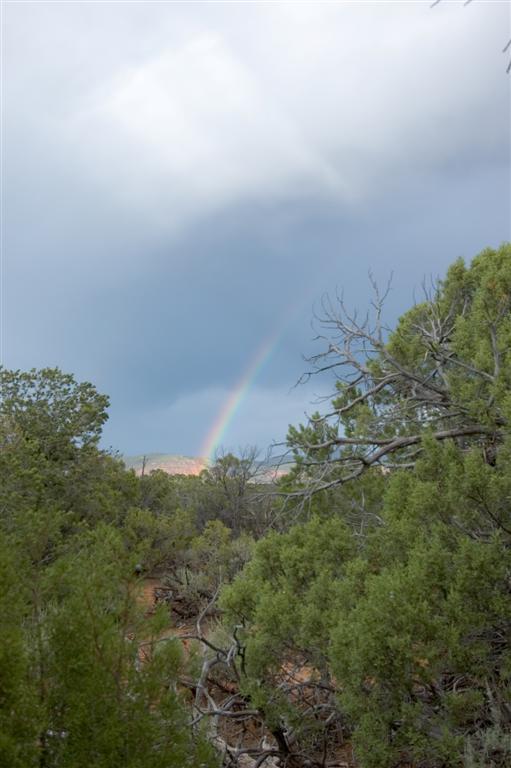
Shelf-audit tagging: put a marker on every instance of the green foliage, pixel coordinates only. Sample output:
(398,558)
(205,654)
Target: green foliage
(52,410)
(19,707)
(161,541)
(159,492)
(380,610)
(84,677)
(111,684)
(393,589)
(50,465)
(230,492)
(213,559)
(412,654)
(286,591)
(413,626)
(474,305)
(444,371)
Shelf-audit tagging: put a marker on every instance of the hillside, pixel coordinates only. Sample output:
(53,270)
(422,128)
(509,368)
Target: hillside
(170,463)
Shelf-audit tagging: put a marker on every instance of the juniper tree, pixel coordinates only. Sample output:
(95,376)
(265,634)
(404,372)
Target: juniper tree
(396,635)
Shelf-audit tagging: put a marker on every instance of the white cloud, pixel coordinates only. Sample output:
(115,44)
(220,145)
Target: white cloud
(196,130)
(191,108)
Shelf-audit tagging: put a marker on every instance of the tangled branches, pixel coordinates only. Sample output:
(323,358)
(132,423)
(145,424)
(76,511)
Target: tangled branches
(393,389)
(246,732)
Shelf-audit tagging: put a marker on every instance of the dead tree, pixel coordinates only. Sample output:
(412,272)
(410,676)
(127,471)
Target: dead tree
(387,401)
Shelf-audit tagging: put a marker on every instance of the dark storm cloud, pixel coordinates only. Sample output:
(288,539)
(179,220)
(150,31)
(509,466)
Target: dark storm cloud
(177,189)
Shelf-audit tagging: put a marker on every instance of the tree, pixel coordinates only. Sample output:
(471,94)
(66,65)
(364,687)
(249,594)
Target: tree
(50,464)
(398,641)
(85,678)
(285,606)
(396,635)
(421,650)
(50,408)
(20,713)
(445,371)
(111,684)
(231,485)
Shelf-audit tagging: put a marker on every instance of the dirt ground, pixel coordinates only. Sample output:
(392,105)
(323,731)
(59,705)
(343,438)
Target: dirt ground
(249,732)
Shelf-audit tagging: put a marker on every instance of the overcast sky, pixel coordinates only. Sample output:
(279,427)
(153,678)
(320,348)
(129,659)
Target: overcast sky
(184,180)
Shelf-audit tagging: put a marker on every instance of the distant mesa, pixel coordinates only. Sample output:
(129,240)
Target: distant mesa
(266,471)
(173,465)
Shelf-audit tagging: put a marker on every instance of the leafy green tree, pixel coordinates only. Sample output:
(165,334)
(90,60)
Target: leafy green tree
(232,493)
(111,683)
(164,541)
(396,633)
(445,369)
(50,463)
(51,409)
(85,677)
(286,602)
(421,649)
(159,492)
(403,635)
(19,706)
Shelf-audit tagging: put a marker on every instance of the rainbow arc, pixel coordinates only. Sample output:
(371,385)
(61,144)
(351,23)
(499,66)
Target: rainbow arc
(235,399)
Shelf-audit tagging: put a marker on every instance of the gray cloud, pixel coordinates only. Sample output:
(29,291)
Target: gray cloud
(179,184)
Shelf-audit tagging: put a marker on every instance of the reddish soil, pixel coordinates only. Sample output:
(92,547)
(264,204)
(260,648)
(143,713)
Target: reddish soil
(250,732)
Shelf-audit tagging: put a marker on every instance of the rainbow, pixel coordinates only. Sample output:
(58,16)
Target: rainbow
(238,394)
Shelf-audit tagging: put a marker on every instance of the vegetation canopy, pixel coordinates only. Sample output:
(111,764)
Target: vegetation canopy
(354,612)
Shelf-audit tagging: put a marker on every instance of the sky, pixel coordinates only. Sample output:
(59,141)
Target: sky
(183,181)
